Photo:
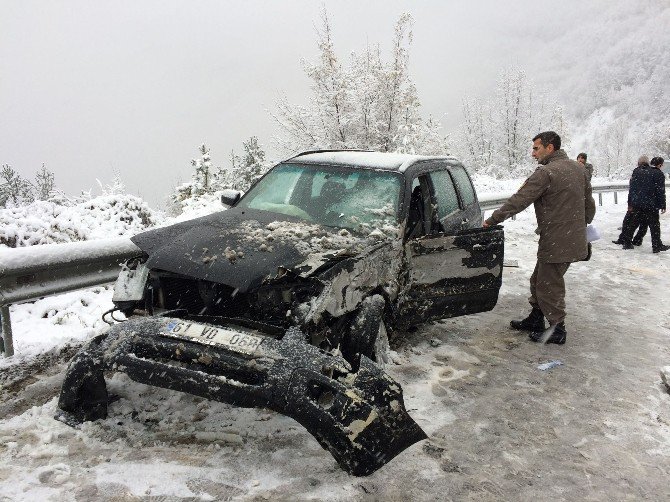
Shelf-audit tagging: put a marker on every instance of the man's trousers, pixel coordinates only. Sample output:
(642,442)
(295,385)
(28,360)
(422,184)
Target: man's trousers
(547,290)
(642,217)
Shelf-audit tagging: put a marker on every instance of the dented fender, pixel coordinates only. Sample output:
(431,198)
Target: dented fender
(350,281)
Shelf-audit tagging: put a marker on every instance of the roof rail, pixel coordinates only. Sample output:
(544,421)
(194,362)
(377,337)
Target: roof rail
(307,152)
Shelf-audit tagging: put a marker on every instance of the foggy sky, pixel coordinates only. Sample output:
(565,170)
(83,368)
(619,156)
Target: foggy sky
(133,87)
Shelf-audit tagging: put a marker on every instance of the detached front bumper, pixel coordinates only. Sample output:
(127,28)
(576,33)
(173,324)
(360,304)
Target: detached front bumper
(359,417)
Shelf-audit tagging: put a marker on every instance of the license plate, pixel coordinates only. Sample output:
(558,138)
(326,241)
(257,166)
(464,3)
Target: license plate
(209,335)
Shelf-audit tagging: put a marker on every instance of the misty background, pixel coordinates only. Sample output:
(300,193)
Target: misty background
(133,88)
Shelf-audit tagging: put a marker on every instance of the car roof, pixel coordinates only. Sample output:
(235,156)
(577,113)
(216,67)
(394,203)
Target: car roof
(398,162)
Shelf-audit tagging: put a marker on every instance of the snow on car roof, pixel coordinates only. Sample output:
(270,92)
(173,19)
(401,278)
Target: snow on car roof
(377,160)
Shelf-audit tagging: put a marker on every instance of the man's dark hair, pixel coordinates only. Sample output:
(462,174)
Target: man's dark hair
(657,161)
(580,156)
(549,137)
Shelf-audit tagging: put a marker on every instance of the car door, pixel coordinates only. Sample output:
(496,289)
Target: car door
(452,270)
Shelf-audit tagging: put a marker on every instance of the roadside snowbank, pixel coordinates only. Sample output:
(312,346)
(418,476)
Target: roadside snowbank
(44,222)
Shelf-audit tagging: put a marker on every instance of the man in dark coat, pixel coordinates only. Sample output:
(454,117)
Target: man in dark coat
(656,162)
(646,196)
(641,163)
(561,193)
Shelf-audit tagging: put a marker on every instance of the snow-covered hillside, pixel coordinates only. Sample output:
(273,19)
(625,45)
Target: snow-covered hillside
(611,70)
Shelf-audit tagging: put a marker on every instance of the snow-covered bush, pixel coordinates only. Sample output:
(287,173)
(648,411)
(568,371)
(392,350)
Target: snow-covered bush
(48,222)
(195,207)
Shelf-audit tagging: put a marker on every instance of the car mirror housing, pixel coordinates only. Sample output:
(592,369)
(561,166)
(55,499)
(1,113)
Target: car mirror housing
(229,197)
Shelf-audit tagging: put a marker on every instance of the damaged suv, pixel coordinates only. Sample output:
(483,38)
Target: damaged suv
(286,299)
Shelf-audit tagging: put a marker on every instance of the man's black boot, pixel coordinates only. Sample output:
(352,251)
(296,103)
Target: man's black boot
(662,247)
(534,321)
(628,246)
(558,334)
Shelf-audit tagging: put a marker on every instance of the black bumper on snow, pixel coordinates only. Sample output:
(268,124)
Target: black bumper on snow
(359,417)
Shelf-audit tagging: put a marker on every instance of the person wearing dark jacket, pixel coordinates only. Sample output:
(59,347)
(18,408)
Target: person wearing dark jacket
(643,160)
(626,218)
(656,162)
(646,196)
(561,192)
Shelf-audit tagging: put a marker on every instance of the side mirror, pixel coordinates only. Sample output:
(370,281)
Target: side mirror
(230,197)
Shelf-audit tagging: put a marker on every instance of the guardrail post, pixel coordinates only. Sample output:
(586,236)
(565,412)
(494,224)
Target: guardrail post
(600,198)
(7,342)
(616,198)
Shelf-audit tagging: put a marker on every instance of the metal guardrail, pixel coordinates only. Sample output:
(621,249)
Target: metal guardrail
(37,271)
(490,202)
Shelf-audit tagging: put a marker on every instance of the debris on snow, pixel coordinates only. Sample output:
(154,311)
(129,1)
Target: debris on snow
(665,376)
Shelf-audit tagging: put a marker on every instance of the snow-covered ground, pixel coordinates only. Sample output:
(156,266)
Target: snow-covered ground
(596,428)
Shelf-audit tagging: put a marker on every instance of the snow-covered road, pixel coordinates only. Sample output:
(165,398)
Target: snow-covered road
(595,428)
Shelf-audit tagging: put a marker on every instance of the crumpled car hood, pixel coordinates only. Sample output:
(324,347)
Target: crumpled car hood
(242,247)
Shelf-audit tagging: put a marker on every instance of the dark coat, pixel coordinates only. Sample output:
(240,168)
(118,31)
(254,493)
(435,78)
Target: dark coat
(561,193)
(647,188)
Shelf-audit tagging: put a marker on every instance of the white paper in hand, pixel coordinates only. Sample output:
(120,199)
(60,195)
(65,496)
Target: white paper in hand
(592,233)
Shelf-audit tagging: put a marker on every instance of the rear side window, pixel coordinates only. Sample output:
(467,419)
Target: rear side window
(445,193)
(463,184)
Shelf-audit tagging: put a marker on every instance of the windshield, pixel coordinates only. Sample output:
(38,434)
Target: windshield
(332,196)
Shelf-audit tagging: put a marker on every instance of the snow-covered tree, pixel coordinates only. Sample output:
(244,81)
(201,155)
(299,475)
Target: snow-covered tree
(368,103)
(116,187)
(246,169)
(45,185)
(659,139)
(14,189)
(494,136)
(618,149)
(201,179)
(253,162)
(477,132)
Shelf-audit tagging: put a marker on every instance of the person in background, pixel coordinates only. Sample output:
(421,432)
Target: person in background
(641,162)
(656,162)
(561,193)
(646,196)
(581,158)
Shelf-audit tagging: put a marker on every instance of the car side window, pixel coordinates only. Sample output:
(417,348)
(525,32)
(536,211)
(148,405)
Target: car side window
(464,185)
(445,193)
(419,220)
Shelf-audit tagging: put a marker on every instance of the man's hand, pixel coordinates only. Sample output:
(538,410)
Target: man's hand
(486,225)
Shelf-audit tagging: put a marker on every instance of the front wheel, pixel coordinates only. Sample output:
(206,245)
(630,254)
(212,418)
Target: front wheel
(367,333)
